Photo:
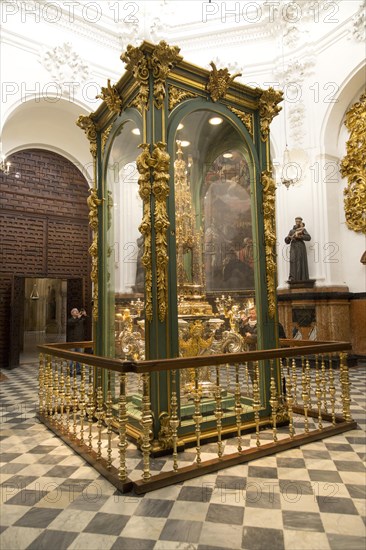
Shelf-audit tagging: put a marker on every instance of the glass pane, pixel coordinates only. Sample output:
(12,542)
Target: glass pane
(125,279)
(215,265)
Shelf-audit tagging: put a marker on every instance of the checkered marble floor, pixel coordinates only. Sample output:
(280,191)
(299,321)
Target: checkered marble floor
(312,497)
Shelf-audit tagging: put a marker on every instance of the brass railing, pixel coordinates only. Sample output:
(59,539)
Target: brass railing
(90,411)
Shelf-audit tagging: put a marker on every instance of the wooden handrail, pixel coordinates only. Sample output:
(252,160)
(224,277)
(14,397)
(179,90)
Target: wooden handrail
(156,365)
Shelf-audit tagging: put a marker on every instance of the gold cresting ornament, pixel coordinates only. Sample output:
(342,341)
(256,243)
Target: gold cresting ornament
(353,167)
(112,98)
(160,161)
(143,162)
(87,124)
(163,59)
(136,63)
(269,189)
(219,82)
(268,109)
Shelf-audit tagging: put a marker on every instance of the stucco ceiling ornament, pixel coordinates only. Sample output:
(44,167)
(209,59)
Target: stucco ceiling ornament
(291,78)
(65,66)
(359,23)
(150,21)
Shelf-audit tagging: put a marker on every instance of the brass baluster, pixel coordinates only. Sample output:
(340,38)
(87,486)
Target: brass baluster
(290,400)
(108,420)
(246,374)
(308,381)
(41,385)
(318,393)
(197,416)
(50,388)
(82,403)
(90,408)
(99,413)
(68,397)
(62,396)
(256,401)
(146,423)
(74,402)
(294,378)
(55,393)
(238,404)
(174,420)
(305,395)
(324,384)
(332,390)
(122,423)
(273,402)
(345,385)
(218,413)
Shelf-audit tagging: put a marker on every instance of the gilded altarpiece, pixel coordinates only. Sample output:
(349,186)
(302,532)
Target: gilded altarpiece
(184,220)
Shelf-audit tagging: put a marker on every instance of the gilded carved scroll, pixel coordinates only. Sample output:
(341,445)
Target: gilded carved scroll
(93,203)
(269,188)
(160,160)
(143,166)
(353,167)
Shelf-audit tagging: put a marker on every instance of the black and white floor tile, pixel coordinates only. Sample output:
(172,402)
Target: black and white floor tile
(311,497)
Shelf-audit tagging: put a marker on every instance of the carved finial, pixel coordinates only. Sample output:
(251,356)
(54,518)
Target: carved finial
(219,81)
(112,98)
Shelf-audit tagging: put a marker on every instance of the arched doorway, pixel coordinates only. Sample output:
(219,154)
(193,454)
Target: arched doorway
(45,237)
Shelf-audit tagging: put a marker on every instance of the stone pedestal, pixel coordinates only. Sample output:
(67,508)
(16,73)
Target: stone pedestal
(324,313)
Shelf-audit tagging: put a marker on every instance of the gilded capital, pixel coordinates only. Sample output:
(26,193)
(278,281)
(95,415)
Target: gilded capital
(268,109)
(163,59)
(87,124)
(137,64)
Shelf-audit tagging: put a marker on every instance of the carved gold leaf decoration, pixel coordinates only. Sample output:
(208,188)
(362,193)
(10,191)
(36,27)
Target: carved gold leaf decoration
(112,98)
(93,202)
(219,82)
(246,118)
(163,59)
(269,188)
(93,251)
(136,63)
(105,135)
(176,95)
(136,103)
(143,162)
(160,161)
(87,124)
(353,166)
(268,109)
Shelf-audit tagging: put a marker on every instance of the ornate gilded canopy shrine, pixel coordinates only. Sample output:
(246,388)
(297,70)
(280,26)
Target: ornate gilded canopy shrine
(183,215)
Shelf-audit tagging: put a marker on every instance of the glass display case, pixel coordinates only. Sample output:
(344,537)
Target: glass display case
(183,218)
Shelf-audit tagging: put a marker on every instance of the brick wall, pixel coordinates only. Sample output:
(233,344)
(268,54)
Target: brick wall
(44,228)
